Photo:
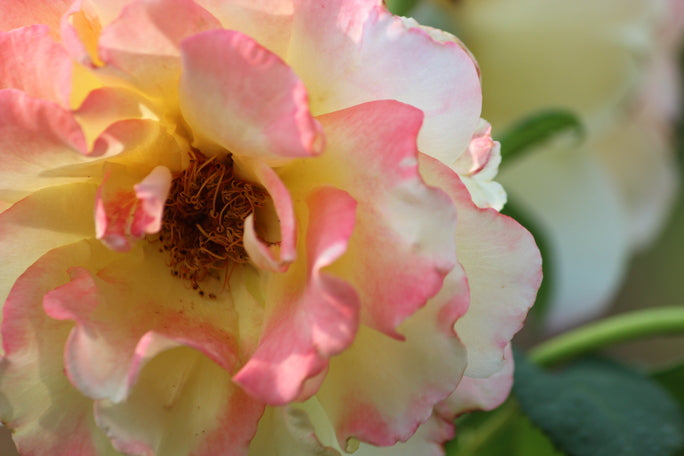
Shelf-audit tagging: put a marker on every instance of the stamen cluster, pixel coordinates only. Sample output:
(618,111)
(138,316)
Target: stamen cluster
(204,215)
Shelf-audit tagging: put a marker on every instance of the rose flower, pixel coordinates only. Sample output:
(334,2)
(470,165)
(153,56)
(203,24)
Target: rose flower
(238,228)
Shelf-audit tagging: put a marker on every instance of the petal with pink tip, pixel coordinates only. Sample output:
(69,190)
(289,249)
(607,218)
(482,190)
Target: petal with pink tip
(144,40)
(480,393)
(36,138)
(47,414)
(403,243)
(275,257)
(122,305)
(428,440)
(20,13)
(258,106)
(25,54)
(345,50)
(503,266)
(381,390)
(310,324)
(182,404)
(127,213)
(44,220)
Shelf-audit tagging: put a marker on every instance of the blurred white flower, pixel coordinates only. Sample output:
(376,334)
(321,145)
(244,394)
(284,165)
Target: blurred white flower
(614,64)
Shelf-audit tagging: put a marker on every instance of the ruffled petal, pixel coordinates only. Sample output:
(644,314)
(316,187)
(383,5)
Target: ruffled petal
(117,305)
(44,220)
(37,138)
(26,55)
(404,233)
(127,213)
(346,50)
(428,440)
(143,42)
(480,393)
(182,404)
(479,166)
(258,106)
(312,324)
(277,256)
(47,414)
(383,399)
(503,266)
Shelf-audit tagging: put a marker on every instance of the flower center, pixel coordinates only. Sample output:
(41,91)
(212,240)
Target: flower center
(204,217)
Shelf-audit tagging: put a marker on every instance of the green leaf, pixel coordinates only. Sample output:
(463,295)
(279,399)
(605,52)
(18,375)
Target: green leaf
(599,408)
(401,7)
(541,304)
(672,379)
(501,432)
(536,129)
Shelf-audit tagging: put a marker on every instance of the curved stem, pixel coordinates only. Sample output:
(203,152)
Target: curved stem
(624,327)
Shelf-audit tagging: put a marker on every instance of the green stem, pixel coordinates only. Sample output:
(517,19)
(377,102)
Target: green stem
(401,7)
(620,328)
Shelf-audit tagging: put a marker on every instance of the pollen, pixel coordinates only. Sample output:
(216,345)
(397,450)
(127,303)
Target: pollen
(204,217)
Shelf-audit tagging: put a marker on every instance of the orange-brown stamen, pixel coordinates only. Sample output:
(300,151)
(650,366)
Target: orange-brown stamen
(204,216)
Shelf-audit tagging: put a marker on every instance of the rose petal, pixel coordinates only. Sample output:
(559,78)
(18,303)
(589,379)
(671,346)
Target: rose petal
(503,267)
(182,404)
(144,41)
(310,324)
(273,257)
(25,54)
(47,414)
(383,399)
(269,22)
(44,220)
(358,44)
(428,440)
(404,233)
(124,215)
(480,393)
(19,13)
(36,138)
(258,105)
(590,251)
(117,304)
(288,428)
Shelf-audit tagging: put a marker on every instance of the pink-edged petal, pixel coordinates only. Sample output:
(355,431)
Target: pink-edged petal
(182,404)
(124,214)
(345,50)
(480,393)
(503,266)
(47,414)
(479,165)
(310,324)
(122,302)
(589,252)
(44,220)
(26,54)
(20,13)
(380,390)
(144,40)
(428,440)
(258,106)
(267,21)
(275,257)
(104,107)
(37,138)
(403,244)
